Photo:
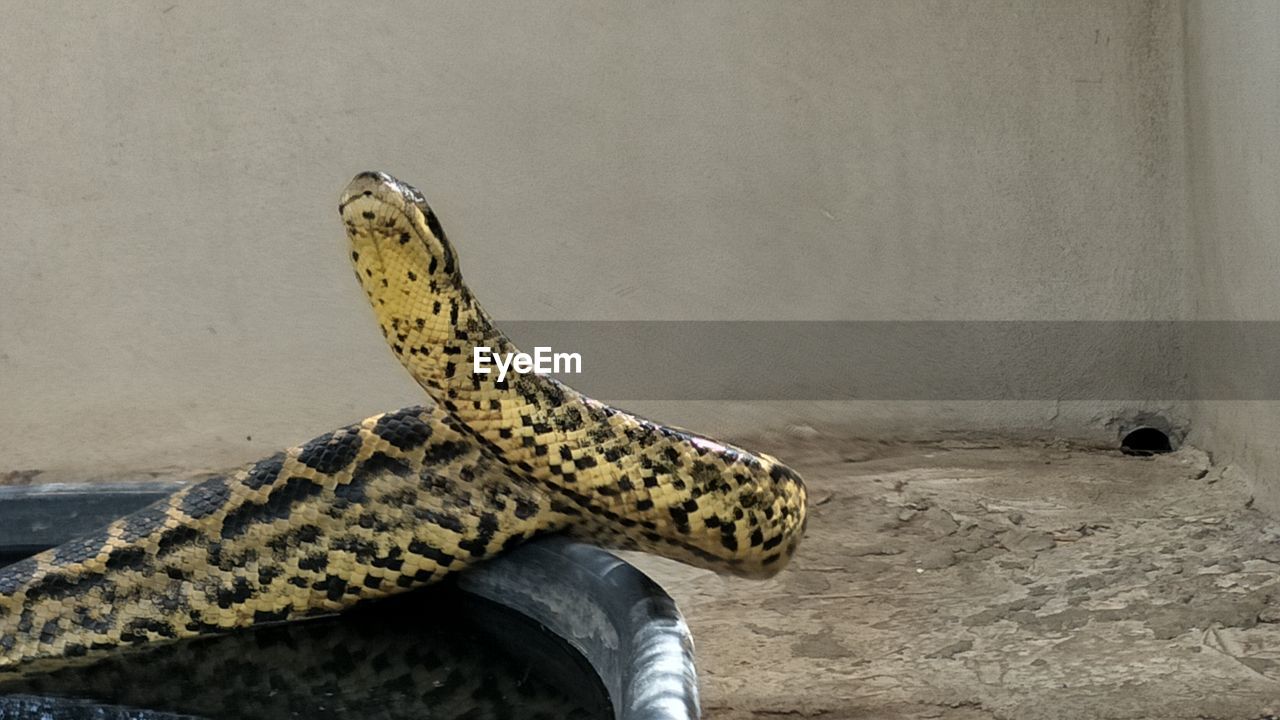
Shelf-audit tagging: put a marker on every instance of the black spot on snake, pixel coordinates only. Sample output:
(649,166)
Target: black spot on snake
(379,464)
(405,496)
(144,522)
(137,629)
(80,549)
(403,429)
(241,589)
(364,550)
(176,538)
(56,586)
(420,577)
(441,558)
(16,575)
(269,616)
(75,650)
(200,626)
(334,587)
(485,530)
(50,631)
(780,473)
(84,619)
(444,452)
(441,519)
(264,472)
(206,498)
(214,557)
(131,557)
(278,505)
(315,561)
(392,561)
(331,452)
(525,508)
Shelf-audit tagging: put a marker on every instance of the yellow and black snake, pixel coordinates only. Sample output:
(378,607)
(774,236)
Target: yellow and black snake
(401,500)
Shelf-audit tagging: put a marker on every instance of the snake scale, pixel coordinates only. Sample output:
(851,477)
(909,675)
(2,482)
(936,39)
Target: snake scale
(403,499)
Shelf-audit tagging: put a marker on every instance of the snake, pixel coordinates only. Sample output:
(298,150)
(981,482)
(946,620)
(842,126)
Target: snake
(403,499)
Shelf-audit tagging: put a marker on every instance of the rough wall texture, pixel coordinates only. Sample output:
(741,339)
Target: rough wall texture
(172,277)
(1233,60)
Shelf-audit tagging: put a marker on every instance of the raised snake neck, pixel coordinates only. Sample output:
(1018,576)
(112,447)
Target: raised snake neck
(639,484)
(403,499)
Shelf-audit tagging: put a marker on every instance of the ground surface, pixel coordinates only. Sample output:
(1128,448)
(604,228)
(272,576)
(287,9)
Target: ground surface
(970,579)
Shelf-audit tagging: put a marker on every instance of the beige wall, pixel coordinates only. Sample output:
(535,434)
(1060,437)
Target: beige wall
(1233,83)
(174,287)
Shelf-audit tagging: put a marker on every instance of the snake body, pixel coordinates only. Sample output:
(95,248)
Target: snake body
(403,499)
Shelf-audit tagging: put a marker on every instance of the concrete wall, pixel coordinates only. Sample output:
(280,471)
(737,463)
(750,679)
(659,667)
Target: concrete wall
(174,287)
(1233,62)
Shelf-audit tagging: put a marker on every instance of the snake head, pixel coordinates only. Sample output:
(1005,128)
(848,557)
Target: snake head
(396,240)
(776,517)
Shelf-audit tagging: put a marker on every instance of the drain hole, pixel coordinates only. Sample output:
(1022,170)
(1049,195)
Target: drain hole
(1146,441)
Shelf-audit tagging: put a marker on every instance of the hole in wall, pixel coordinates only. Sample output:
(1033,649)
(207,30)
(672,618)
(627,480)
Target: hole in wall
(1146,441)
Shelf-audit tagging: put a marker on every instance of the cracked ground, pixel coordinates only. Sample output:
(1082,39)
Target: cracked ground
(973,578)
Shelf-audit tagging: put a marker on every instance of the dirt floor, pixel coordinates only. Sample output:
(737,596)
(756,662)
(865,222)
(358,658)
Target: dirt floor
(971,579)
